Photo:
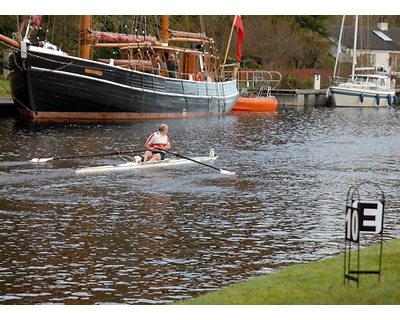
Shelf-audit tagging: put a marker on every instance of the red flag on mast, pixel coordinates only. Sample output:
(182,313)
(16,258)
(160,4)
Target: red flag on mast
(240,36)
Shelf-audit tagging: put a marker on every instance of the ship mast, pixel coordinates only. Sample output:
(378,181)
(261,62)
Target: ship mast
(85,43)
(164,30)
(229,40)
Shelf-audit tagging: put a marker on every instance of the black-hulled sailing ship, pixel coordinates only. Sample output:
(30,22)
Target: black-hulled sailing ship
(49,84)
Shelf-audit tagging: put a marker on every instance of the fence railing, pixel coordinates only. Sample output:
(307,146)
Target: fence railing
(255,80)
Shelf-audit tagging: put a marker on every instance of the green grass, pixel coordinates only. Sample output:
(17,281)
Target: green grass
(318,283)
(5,88)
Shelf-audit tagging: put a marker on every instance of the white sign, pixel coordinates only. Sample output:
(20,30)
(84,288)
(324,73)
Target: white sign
(371,218)
(364,217)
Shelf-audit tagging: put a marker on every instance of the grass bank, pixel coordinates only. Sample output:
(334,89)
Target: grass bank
(318,283)
(5,88)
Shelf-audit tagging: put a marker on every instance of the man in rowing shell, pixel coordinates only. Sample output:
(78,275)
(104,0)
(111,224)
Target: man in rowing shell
(158,139)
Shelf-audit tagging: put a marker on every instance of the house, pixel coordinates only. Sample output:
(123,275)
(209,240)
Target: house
(376,46)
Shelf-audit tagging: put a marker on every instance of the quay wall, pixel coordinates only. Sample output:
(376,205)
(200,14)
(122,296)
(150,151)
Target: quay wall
(306,97)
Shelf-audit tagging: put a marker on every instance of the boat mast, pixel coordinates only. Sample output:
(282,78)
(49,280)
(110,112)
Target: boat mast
(229,41)
(339,49)
(164,30)
(85,44)
(354,49)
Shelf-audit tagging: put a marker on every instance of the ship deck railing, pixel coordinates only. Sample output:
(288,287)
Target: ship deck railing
(258,79)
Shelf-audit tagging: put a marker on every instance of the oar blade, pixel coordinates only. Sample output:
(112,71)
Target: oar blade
(199,162)
(226,172)
(41,160)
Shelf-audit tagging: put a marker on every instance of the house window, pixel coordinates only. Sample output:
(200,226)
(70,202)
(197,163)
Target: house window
(394,59)
(368,59)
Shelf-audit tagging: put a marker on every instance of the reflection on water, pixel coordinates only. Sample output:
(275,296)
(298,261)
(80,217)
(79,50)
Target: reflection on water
(160,235)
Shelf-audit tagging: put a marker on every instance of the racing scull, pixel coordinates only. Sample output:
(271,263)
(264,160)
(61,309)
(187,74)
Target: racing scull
(135,165)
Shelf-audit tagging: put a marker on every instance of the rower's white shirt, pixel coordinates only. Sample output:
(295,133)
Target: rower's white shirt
(157,139)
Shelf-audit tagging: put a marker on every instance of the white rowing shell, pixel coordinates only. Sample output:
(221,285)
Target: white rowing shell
(134,165)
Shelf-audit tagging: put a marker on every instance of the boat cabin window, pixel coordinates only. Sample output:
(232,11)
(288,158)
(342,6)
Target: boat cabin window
(373,80)
(361,79)
(367,79)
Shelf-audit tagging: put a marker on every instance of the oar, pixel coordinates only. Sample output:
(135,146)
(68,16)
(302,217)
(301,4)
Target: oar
(39,160)
(204,164)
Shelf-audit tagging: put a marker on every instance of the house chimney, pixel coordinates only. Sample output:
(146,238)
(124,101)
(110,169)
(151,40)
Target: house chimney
(382,24)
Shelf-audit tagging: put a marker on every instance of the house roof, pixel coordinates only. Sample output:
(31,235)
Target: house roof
(368,38)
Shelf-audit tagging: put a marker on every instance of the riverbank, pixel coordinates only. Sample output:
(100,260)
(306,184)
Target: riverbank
(317,283)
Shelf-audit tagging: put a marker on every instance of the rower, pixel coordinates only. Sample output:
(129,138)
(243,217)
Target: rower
(156,141)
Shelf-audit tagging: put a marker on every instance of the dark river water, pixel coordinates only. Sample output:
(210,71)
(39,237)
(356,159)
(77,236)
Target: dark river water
(160,235)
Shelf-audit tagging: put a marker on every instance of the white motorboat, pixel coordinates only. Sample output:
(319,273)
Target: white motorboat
(362,90)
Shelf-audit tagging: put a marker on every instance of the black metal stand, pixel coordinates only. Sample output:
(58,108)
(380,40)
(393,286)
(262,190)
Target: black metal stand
(363,217)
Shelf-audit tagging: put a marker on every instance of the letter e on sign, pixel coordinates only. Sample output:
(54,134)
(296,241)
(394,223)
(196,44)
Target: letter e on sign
(371,216)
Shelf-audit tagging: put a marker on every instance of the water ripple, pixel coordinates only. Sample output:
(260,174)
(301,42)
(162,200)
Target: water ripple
(156,236)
